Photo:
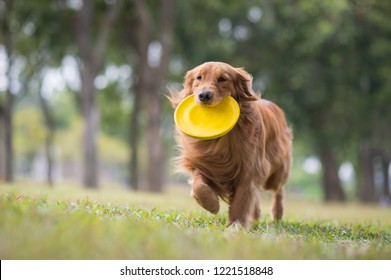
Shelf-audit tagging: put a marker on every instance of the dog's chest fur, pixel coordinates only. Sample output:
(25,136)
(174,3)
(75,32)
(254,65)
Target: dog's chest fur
(227,161)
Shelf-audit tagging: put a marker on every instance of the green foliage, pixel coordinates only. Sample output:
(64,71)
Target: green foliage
(114,111)
(30,131)
(68,223)
(111,149)
(65,109)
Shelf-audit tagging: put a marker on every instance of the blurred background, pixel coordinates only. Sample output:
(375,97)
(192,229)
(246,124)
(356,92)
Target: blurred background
(82,85)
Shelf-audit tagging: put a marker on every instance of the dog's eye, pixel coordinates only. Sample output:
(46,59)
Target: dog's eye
(199,77)
(221,79)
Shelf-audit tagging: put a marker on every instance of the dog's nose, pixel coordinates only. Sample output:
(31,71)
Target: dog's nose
(205,96)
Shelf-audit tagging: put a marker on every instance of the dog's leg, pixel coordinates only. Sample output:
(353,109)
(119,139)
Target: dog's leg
(278,204)
(256,212)
(275,183)
(204,194)
(242,207)
(277,208)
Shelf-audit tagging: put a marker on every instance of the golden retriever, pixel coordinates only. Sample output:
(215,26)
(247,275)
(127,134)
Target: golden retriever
(255,153)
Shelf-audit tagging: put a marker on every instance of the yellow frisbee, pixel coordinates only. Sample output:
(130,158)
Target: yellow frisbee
(205,122)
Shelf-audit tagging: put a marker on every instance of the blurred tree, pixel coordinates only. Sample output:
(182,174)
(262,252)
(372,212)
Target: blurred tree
(30,133)
(2,150)
(9,26)
(205,32)
(370,89)
(15,30)
(42,49)
(152,43)
(307,72)
(332,81)
(91,53)
(49,139)
(40,53)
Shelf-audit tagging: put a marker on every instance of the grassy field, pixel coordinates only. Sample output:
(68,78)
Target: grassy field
(72,223)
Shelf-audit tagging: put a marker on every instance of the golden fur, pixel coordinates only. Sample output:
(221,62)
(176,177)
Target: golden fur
(255,153)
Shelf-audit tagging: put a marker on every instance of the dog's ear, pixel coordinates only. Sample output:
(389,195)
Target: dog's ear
(188,83)
(243,86)
(176,97)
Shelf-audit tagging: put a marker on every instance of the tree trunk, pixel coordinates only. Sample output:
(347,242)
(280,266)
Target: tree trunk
(367,188)
(7,107)
(91,58)
(381,161)
(154,140)
(331,182)
(385,196)
(8,133)
(150,83)
(88,102)
(141,40)
(49,139)
(49,158)
(91,123)
(2,159)
(134,139)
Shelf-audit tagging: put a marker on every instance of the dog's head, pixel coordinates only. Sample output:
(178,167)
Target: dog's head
(212,81)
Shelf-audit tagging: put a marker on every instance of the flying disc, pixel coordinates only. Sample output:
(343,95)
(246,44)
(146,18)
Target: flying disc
(206,122)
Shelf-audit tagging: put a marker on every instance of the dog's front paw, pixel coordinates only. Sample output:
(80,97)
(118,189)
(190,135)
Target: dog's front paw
(234,227)
(206,197)
(235,221)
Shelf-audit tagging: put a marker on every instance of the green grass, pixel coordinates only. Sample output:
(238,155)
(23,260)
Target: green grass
(72,223)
